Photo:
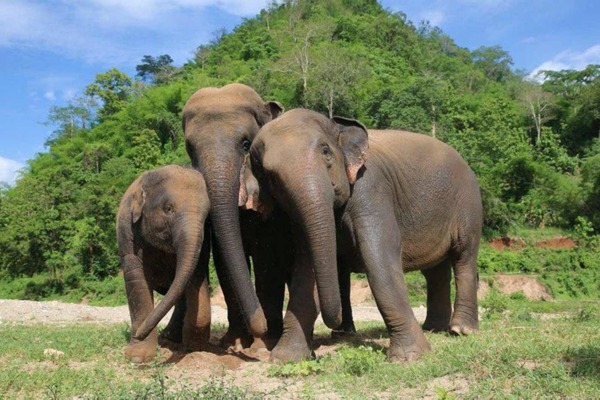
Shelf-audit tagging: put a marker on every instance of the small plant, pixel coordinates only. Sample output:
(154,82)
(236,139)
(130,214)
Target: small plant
(585,314)
(518,296)
(302,368)
(360,360)
(443,394)
(495,304)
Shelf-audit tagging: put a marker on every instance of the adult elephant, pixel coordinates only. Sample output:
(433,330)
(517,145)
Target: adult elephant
(383,202)
(220,125)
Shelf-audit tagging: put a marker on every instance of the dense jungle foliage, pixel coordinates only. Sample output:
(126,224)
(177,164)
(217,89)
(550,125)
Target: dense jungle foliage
(534,146)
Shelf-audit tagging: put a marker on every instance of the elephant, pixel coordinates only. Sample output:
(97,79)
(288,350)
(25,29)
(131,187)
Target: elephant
(376,201)
(160,235)
(219,126)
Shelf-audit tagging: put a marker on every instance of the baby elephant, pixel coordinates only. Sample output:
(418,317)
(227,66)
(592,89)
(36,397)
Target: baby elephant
(160,232)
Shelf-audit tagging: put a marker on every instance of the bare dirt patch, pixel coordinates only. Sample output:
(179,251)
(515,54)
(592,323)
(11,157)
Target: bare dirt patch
(507,243)
(529,285)
(559,242)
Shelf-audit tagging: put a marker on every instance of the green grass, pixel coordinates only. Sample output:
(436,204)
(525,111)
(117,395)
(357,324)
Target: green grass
(516,354)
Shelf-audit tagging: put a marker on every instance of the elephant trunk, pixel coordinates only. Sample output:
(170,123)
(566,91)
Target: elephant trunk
(312,203)
(223,183)
(188,244)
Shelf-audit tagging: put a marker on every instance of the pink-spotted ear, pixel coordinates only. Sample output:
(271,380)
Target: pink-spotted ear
(354,142)
(137,204)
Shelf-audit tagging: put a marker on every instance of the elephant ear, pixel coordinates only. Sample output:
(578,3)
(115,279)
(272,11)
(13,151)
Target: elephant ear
(354,142)
(137,204)
(274,108)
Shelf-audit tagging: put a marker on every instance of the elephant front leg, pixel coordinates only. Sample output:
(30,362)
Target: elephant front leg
(380,251)
(196,325)
(173,330)
(140,301)
(296,342)
(269,273)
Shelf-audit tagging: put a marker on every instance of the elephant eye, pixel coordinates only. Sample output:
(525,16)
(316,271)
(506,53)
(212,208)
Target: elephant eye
(326,151)
(168,208)
(246,145)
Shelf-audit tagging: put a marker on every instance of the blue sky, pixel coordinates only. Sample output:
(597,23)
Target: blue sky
(50,50)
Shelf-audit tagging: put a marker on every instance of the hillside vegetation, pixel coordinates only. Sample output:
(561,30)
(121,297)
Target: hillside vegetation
(534,147)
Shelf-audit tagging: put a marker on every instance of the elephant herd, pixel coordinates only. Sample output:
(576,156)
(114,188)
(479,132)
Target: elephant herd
(309,199)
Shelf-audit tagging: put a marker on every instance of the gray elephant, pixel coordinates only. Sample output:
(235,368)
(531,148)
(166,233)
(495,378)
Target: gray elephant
(160,234)
(382,202)
(220,125)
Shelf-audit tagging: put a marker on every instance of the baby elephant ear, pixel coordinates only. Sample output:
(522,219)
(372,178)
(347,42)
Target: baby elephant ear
(275,108)
(137,204)
(354,142)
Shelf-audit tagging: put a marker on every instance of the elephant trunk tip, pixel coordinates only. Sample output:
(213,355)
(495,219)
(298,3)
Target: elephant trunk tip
(257,324)
(332,320)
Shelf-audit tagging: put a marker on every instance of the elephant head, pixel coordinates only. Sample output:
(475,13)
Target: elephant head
(165,208)
(220,125)
(308,164)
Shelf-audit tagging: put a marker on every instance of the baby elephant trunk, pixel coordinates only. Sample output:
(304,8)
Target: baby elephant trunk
(187,248)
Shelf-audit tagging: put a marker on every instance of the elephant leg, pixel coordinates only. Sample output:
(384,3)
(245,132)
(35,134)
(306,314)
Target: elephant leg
(196,326)
(173,330)
(302,311)
(380,251)
(141,303)
(347,327)
(237,336)
(439,307)
(269,274)
(465,319)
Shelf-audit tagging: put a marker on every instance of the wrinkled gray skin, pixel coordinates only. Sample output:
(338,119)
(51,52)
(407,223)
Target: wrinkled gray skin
(219,125)
(384,202)
(160,232)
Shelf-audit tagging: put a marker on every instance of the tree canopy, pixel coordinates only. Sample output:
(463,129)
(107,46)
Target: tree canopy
(534,147)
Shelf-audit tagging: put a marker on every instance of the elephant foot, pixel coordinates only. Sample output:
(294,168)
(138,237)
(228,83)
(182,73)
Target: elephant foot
(343,333)
(140,352)
(435,325)
(265,343)
(463,326)
(235,342)
(287,352)
(400,351)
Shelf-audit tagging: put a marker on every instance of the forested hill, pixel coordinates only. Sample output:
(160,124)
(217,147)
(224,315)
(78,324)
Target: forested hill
(534,147)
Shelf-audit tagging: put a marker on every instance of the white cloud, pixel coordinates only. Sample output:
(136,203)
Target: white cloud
(104,30)
(49,95)
(8,170)
(569,60)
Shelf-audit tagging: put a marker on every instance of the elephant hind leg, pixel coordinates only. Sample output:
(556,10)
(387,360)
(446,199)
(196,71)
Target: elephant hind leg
(465,319)
(439,307)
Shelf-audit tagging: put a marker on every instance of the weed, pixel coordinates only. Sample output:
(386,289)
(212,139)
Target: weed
(361,360)
(302,368)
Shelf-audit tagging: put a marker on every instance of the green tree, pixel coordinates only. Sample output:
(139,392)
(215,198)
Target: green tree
(113,88)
